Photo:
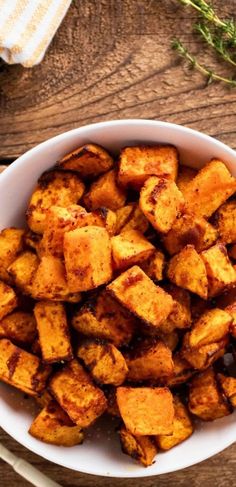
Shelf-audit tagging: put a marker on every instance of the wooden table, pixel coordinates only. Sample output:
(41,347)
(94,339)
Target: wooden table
(110,60)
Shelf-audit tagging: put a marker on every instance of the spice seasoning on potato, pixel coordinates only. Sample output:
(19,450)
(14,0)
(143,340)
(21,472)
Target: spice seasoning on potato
(77,395)
(146,410)
(161,202)
(141,448)
(130,248)
(105,192)
(139,163)
(11,244)
(220,272)
(182,427)
(87,253)
(53,425)
(8,299)
(20,327)
(136,292)
(89,160)
(186,269)
(53,331)
(150,360)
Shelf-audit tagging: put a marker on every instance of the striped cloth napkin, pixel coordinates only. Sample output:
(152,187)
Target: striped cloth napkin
(27,28)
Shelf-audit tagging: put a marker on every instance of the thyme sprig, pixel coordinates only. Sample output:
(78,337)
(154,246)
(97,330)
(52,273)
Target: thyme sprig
(194,63)
(219,34)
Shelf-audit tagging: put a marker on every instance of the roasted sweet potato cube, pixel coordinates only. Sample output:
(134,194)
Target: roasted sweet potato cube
(232,251)
(135,221)
(50,281)
(130,248)
(185,176)
(53,425)
(211,327)
(59,221)
(89,160)
(104,361)
(53,331)
(150,360)
(22,369)
(161,202)
(182,371)
(226,222)
(220,272)
(228,385)
(103,217)
(19,327)
(190,230)
(146,410)
(141,448)
(77,395)
(123,215)
(186,269)
(201,358)
(11,243)
(23,271)
(105,192)
(87,254)
(154,266)
(44,399)
(103,317)
(211,187)
(139,163)
(8,299)
(137,292)
(231,309)
(205,400)
(54,187)
(180,316)
(182,427)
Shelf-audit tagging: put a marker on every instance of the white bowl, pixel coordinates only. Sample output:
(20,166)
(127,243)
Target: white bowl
(101,454)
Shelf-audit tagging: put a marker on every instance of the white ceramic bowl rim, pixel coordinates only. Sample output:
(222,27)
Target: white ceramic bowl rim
(178,458)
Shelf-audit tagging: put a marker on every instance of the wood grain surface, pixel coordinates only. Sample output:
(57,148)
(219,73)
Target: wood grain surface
(111,59)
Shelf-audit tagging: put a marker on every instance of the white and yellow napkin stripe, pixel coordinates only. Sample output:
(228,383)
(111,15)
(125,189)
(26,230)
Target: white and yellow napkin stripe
(27,28)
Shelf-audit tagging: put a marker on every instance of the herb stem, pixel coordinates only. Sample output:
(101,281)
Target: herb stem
(216,42)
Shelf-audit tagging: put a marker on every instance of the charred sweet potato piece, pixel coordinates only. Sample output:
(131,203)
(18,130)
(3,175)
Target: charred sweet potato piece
(190,230)
(103,317)
(146,410)
(201,358)
(180,316)
(150,360)
(19,327)
(53,188)
(211,327)
(226,222)
(32,241)
(77,395)
(130,248)
(205,400)
(141,448)
(22,369)
(53,425)
(228,385)
(186,269)
(211,187)
(8,300)
(135,221)
(161,202)
(139,163)
(105,192)
(53,331)
(185,176)
(44,399)
(23,271)
(104,361)
(11,244)
(136,291)
(90,160)
(50,281)
(182,427)
(87,253)
(154,266)
(220,272)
